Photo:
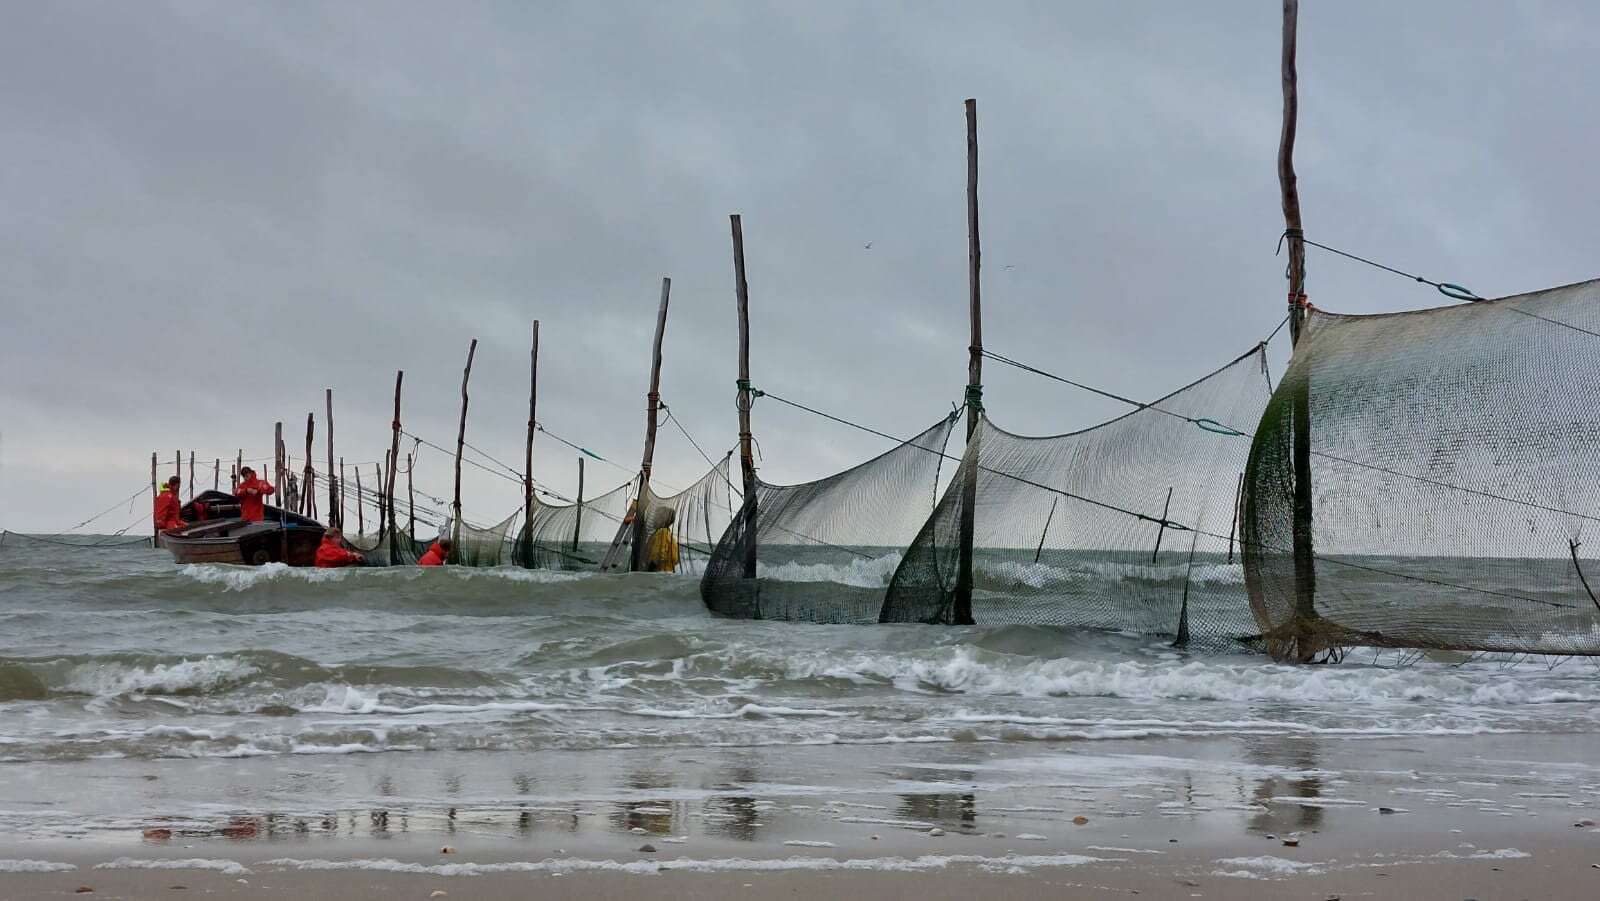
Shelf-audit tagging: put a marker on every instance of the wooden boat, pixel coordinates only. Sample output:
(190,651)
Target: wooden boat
(214,533)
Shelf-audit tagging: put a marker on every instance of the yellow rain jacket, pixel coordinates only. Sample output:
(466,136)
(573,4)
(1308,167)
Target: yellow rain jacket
(661,554)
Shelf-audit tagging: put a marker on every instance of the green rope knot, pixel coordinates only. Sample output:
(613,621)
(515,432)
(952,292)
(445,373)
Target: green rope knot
(974,397)
(1217,428)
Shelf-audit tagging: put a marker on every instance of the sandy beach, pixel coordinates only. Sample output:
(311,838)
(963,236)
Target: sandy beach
(1445,818)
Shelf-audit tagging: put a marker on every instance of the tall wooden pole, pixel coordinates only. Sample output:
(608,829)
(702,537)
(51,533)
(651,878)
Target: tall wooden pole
(1305,574)
(961,615)
(653,407)
(191,475)
(577,524)
(308,482)
(277,454)
(744,401)
(527,461)
(177,462)
(335,505)
(461,441)
(238,468)
(394,452)
(216,475)
(411,504)
(342,484)
(155,490)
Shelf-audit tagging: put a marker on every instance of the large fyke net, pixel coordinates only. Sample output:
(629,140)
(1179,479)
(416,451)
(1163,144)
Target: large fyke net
(700,515)
(1454,459)
(1125,526)
(571,536)
(824,549)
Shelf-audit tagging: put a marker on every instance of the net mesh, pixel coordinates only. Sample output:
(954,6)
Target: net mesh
(1068,529)
(483,545)
(700,516)
(824,549)
(388,548)
(69,540)
(565,536)
(1454,459)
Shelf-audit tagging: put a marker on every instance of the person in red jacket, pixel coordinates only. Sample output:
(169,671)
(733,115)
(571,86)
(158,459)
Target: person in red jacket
(250,492)
(438,554)
(332,552)
(168,506)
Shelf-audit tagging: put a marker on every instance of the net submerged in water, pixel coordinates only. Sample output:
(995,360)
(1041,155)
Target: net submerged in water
(822,549)
(571,536)
(1454,459)
(1124,526)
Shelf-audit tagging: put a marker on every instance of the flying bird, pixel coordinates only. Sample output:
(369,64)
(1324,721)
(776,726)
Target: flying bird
(867,245)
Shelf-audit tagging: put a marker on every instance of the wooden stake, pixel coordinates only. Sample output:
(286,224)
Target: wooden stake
(342,484)
(238,468)
(1305,574)
(394,451)
(653,407)
(155,490)
(216,475)
(308,481)
(577,525)
(745,400)
(961,615)
(411,506)
(335,502)
(191,475)
(277,454)
(527,463)
(361,519)
(461,441)
(177,463)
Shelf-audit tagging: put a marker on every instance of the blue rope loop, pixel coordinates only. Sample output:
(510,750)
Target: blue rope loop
(1217,428)
(1456,292)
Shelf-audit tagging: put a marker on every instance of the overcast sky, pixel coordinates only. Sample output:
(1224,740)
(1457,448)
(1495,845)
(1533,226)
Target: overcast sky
(210,212)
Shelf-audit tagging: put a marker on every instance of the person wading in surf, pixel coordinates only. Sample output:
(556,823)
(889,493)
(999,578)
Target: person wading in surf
(661,554)
(438,554)
(332,552)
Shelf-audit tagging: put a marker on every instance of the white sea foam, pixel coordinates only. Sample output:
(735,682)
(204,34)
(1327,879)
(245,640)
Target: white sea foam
(243,578)
(225,867)
(1267,867)
(34,866)
(809,844)
(684,864)
(203,674)
(861,573)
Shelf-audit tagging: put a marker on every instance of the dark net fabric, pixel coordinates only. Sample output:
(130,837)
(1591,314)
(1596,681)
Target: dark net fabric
(1454,460)
(570,536)
(824,550)
(483,545)
(1058,537)
(85,542)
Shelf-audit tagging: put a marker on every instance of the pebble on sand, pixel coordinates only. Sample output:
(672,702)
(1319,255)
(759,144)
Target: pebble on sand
(83,890)
(440,894)
(936,831)
(1584,823)
(648,849)
(447,849)
(1079,820)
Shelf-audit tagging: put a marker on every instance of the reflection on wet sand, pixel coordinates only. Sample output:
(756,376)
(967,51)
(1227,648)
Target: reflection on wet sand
(1299,756)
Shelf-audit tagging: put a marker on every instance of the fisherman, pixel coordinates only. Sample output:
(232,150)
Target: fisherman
(250,491)
(168,506)
(438,554)
(332,552)
(661,554)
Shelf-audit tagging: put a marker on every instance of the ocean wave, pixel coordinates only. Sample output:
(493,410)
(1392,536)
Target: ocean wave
(873,572)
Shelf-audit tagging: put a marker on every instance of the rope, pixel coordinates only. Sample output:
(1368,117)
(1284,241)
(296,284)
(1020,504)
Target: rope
(1206,424)
(1162,521)
(1452,291)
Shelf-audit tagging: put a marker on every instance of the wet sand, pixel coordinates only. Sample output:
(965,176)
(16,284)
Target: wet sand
(1486,816)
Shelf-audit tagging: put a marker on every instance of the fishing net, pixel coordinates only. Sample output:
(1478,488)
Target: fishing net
(571,536)
(1128,525)
(823,550)
(388,548)
(1454,463)
(481,545)
(700,515)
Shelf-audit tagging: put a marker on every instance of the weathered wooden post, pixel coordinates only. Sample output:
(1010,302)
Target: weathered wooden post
(577,523)
(335,501)
(744,401)
(461,441)
(216,475)
(527,464)
(155,490)
(640,527)
(1305,573)
(191,475)
(308,480)
(411,505)
(962,612)
(238,468)
(394,453)
(361,519)
(342,489)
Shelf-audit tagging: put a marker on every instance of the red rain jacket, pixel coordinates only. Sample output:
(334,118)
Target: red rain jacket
(434,557)
(250,492)
(330,554)
(166,513)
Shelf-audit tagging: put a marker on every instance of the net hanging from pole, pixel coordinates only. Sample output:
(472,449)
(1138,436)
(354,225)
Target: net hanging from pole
(560,536)
(824,549)
(388,548)
(1056,538)
(700,515)
(482,545)
(1455,481)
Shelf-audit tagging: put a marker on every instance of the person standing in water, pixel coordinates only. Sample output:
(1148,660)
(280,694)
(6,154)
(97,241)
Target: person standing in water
(438,554)
(661,554)
(332,552)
